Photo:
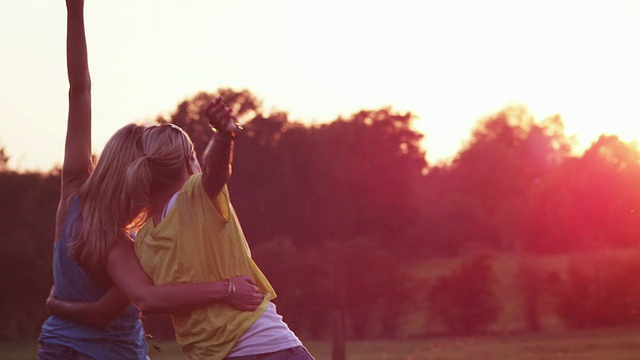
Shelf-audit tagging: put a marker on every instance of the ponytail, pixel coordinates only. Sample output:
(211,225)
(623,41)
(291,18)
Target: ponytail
(138,166)
(137,190)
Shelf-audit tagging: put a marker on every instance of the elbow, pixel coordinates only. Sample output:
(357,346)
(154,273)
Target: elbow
(213,189)
(144,307)
(147,305)
(149,308)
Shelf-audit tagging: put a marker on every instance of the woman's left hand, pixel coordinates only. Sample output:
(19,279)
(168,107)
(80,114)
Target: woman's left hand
(51,298)
(221,117)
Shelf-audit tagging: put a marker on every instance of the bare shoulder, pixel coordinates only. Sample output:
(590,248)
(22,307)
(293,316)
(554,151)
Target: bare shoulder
(124,247)
(121,253)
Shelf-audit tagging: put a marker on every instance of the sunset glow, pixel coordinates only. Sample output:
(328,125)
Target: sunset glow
(449,63)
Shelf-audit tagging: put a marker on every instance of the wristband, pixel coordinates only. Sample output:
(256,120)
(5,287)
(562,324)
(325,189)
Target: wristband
(223,135)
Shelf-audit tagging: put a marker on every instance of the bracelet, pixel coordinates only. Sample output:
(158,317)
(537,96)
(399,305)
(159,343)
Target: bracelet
(222,135)
(230,288)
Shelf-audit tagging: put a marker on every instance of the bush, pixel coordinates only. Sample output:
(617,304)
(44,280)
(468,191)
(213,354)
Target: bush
(600,293)
(464,300)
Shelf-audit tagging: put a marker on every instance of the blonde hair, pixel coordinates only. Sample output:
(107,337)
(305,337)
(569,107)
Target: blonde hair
(102,200)
(165,151)
(137,164)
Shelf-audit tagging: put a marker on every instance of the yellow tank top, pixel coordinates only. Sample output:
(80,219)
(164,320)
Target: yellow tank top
(196,243)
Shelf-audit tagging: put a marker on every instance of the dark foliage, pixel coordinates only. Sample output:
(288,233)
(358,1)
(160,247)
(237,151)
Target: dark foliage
(464,300)
(27,217)
(602,293)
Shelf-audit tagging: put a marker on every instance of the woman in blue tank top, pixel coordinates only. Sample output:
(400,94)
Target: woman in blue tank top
(93,270)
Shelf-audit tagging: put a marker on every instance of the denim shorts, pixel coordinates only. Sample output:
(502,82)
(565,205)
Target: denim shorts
(49,351)
(295,353)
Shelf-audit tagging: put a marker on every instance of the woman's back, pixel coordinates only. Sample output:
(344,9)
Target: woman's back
(195,243)
(121,339)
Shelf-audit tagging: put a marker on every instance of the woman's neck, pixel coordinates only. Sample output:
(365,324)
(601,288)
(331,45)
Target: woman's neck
(162,200)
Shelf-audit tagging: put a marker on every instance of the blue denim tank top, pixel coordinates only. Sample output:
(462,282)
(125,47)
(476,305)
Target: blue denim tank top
(122,339)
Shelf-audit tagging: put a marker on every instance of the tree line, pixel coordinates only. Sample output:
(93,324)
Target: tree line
(335,213)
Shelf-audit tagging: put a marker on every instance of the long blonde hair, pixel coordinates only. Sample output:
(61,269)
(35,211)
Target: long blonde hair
(102,200)
(138,164)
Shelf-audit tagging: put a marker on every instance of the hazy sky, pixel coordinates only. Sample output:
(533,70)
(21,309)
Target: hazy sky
(449,62)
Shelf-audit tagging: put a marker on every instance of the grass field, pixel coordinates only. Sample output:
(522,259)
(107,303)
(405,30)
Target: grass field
(601,344)
(554,342)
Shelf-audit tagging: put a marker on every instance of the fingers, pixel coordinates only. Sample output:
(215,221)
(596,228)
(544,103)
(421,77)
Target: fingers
(217,108)
(240,280)
(247,296)
(247,303)
(245,286)
(252,303)
(248,279)
(52,292)
(220,116)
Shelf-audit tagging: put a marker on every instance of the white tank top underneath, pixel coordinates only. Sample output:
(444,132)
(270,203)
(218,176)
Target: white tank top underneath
(268,334)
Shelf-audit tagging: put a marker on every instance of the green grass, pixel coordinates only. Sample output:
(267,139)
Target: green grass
(600,344)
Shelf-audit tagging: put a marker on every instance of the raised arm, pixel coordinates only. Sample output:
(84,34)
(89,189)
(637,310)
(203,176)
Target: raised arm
(77,163)
(77,156)
(216,166)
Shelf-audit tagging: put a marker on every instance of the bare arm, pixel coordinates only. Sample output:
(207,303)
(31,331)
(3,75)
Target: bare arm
(124,269)
(133,283)
(77,154)
(216,167)
(99,313)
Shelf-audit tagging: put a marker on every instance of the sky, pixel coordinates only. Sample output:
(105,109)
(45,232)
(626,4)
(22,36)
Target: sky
(451,63)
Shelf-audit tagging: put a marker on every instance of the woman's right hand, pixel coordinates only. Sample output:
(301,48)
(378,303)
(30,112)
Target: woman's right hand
(243,293)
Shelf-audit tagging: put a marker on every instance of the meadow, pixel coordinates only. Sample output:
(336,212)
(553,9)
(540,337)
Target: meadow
(595,344)
(507,340)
